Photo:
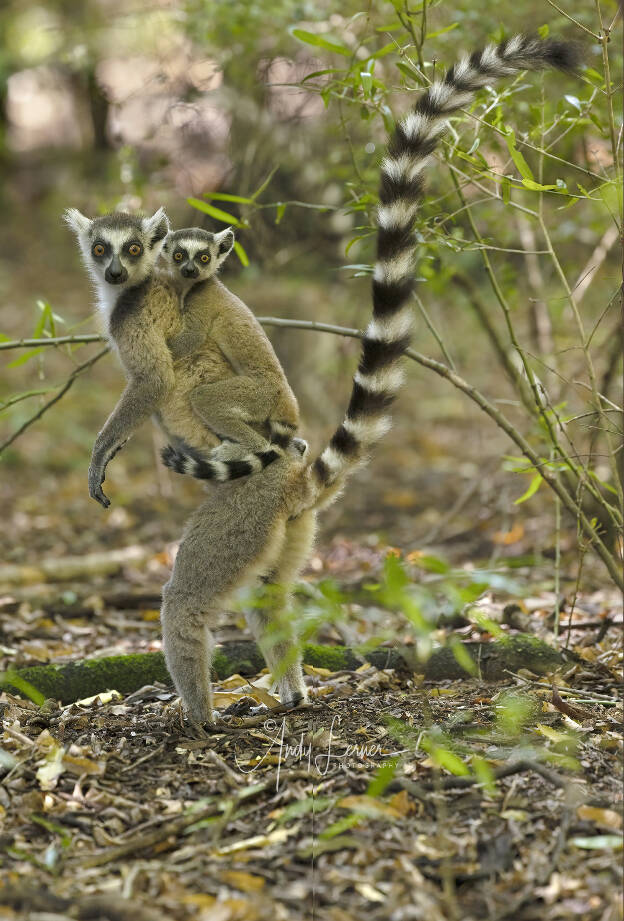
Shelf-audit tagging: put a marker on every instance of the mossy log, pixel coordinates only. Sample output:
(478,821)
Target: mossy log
(76,680)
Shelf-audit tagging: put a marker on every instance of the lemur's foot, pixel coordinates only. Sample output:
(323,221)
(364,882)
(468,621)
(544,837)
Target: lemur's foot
(300,445)
(173,459)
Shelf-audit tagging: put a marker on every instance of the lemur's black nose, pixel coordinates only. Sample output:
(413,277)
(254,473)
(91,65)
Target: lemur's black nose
(189,271)
(115,273)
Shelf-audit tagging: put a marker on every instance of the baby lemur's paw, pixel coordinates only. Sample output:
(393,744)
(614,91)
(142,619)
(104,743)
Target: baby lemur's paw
(300,445)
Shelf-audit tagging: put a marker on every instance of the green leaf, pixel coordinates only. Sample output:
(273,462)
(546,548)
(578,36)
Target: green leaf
(463,657)
(599,841)
(383,776)
(450,761)
(483,771)
(432,563)
(574,101)
(321,73)
(240,252)
(280,211)
(304,806)
(310,38)
(216,213)
(366,79)
(224,196)
(11,677)
(537,187)
(435,34)
(347,821)
(523,167)
(24,358)
(391,46)
(409,72)
(534,485)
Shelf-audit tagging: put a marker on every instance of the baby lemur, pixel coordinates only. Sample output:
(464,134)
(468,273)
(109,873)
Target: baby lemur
(261,528)
(230,385)
(259,394)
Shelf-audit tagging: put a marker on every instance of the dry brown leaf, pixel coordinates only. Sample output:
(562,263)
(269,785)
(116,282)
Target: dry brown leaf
(606,818)
(246,882)
(371,806)
(505,538)
(257,841)
(402,803)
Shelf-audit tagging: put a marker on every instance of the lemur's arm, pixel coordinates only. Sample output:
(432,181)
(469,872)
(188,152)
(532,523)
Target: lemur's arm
(149,369)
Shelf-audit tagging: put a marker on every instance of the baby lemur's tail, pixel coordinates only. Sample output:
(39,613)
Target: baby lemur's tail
(280,441)
(415,137)
(221,471)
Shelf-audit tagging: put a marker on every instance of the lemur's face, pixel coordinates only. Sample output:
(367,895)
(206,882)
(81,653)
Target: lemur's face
(118,248)
(195,254)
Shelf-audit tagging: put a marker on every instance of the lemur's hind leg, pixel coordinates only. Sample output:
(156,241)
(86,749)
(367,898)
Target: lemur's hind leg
(271,623)
(231,539)
(228,408)
(188,645)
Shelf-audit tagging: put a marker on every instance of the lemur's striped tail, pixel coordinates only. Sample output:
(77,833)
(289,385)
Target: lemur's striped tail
(415,137)
(281,439)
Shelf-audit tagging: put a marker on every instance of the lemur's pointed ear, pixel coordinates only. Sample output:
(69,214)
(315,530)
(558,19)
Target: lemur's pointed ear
(77,221)
(156,226)
(225,240)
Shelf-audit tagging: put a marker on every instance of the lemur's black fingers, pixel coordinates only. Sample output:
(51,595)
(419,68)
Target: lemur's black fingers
(99,496)
(169,456)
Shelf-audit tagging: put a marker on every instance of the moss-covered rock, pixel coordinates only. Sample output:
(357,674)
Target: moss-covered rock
(125,674)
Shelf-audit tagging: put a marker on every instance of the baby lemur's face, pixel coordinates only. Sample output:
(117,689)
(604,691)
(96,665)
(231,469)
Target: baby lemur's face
(193,254)
(119,249)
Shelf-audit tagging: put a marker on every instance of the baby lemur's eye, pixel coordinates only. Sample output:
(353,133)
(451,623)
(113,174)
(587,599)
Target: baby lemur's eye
(205,257)
(135,249)
(178,256)
(98,249)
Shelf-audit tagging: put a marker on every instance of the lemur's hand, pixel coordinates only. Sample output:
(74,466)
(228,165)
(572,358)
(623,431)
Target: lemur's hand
(97,475)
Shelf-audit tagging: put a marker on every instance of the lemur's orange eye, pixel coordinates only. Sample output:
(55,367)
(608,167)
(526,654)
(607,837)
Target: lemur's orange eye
(205,257)
(178,256)
(135,249)
(98,249)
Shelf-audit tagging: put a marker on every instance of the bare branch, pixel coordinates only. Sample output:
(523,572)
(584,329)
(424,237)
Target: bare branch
(57,340)
(46,406)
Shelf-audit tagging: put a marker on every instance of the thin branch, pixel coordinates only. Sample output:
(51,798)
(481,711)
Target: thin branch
(46,406)
(575,21)
(56,340)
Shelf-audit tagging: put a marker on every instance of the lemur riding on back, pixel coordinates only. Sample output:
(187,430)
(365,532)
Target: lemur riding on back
(260,394)
(229,387)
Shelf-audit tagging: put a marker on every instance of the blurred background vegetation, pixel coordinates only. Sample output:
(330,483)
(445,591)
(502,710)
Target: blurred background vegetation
(285,106)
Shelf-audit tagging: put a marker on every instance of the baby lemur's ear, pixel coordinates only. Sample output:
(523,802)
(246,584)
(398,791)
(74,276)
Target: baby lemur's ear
(156,227)
(225,241)
(76,221)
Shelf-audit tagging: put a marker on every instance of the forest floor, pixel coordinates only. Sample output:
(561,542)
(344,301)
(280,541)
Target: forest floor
(382,797)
